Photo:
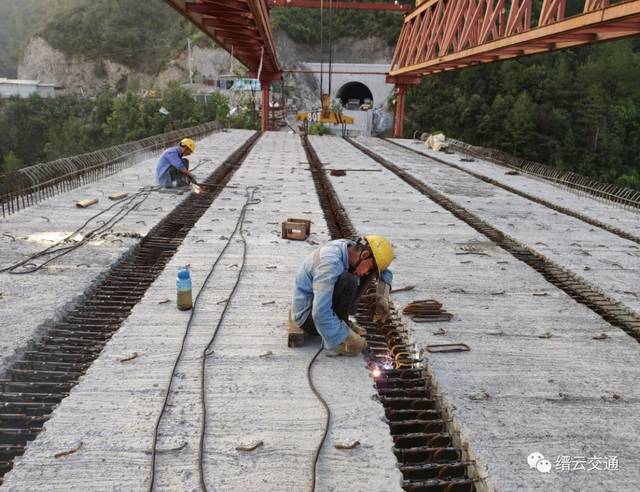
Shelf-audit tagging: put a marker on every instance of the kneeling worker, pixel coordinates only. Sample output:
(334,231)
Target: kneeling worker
(329,283)
(172,170)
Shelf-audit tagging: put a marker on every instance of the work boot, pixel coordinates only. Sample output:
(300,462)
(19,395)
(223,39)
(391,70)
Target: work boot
(352,346)
(357,328)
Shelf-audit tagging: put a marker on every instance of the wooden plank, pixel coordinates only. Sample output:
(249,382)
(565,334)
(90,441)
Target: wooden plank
(86,202)
(118,196)
(295,333)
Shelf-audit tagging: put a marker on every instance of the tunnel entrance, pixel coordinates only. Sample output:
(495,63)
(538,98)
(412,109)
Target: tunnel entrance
(353,94)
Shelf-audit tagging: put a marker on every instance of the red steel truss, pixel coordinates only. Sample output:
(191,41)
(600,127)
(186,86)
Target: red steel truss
(243,28)
(393,6)
(442,35)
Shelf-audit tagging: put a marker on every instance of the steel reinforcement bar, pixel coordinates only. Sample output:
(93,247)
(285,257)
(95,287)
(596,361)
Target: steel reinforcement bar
(579,289)
(430,452)
(35,183)
(51,366)
(558,208)
(612,193)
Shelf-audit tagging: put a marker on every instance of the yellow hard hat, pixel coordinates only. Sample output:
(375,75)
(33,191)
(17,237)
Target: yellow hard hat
(190,144)
(382,251)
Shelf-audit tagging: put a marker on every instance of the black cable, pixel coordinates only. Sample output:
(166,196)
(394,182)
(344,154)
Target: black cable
(321,49)
(330,44)
(206,352)
(326,422)
(58,250)
(250,201)
(61,251)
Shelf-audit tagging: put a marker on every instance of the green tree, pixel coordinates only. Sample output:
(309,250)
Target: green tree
(578,109)
(11,163)
(126,122)
(181,107)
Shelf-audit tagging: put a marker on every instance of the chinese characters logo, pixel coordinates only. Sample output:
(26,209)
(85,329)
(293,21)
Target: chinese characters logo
(565,463)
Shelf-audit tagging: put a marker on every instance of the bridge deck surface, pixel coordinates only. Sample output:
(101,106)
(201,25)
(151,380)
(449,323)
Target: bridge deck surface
(551,395)
(256,385)
(33,301)
(604,259)
(535,379)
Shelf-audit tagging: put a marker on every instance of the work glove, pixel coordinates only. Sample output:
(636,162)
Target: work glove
(357,328)
(352,346)
(382,303)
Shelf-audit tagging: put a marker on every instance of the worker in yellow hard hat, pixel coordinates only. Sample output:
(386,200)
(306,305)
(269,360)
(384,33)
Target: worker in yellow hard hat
(172,170)
(329,283)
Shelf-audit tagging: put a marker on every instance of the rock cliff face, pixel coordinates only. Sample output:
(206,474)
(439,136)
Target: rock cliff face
(345,50)
(43,62)
(293,55)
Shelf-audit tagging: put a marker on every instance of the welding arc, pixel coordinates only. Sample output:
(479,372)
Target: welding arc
(326,422)
(249,201)
(59,249)
(206,352)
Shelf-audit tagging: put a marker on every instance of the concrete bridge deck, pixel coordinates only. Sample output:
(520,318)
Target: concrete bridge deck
(605,260)
(535,379)
(34,301)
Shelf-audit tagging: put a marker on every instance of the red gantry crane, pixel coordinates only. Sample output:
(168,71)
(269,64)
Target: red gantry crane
(444,35)
(241,27)
(392,6)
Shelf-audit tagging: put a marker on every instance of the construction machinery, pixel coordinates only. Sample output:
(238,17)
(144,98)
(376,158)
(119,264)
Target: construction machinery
(325,116)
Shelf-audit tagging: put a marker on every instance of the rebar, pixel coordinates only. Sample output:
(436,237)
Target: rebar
(611,193)
(404,388)
(53,365)
(38,182)
(615,312)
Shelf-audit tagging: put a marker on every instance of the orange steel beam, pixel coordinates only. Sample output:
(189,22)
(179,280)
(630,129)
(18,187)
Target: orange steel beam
(444,35)
(242,27)
(316,4)
(335,72)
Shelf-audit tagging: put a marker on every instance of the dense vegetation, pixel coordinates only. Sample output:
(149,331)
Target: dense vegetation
(142,35)
(37,129)
(579,110)
(21,19)
(303,25)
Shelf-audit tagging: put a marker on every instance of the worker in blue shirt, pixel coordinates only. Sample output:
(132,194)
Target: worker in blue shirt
(328,285)
(172,169)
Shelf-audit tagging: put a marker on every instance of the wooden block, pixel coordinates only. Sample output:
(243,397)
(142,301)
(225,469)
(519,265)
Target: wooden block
(87,202)
(118,196)
(304,222)
(296,334)
(296,229)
